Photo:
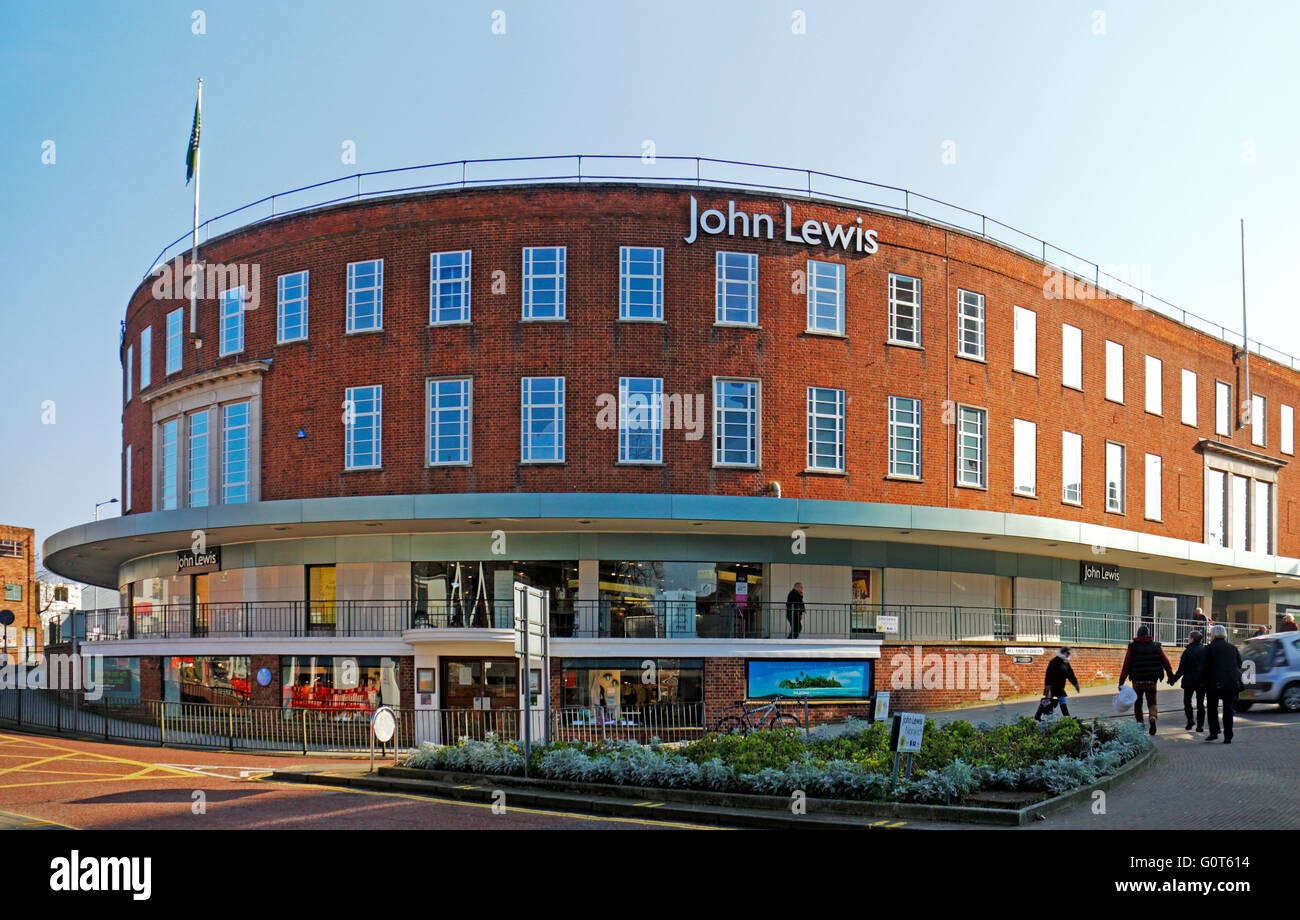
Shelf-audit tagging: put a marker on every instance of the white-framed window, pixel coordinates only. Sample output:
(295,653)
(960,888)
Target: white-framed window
(449,287)
(450,403)
(542,420)
(232,321)
(972,459)
(130,366)
(126,496)
(1258,420)
(1153,487)
(1241,517)
(1071,468)
(235,453)
(1216,507)
(826,429)
(1222,408)
(1155,386)
(1114,477)
(905,437)
(640,283)
(363,416)
(544,282)
(1262,514)
(1288,429)
(640,420)
(1189,397)
(175,341)
(735,422)
(737,288)
(1071,356)
(146,356)
(1114,371)
(825,297)
(970,324)
(1025,465)
(904,310)
(291,307)
(365,295)
(199,424)
(167,468)
(1025,358)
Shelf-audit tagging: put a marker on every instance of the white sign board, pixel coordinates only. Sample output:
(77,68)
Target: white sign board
(1016,650)
(887,622)
(910,728)
(881,712)
(383,723)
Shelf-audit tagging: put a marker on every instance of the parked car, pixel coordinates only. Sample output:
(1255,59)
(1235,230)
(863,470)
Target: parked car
(1277,671)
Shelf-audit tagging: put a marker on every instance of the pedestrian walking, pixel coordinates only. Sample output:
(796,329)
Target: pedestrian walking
(1145,662)
(794,609)
(1222,682)
(1191,670)
(1058,672)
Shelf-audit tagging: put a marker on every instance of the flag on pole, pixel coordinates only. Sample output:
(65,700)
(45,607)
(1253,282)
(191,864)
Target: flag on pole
(192,154)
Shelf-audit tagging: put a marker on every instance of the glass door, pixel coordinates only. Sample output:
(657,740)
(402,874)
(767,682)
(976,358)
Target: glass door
(200,595)
(322,598)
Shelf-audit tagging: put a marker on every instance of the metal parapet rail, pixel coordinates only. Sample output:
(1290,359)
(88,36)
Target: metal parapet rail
(705,172)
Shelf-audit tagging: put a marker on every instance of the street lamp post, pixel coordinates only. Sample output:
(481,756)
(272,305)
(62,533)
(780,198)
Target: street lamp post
(111,501)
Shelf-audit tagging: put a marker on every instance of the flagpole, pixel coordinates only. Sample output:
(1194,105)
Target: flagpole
(194,239)
(1245,335)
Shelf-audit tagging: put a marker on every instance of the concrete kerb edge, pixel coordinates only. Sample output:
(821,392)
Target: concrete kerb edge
(724,804)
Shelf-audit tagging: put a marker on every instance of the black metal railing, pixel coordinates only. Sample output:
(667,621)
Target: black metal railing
(626,619)
(698,171)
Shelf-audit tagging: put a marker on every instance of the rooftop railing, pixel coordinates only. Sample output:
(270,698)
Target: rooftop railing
(625,619)
(698,171)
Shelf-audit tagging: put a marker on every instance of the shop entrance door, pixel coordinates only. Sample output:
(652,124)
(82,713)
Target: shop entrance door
(200,600)
(480,695)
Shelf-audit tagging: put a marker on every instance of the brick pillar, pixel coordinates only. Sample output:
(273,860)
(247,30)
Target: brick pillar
(272,695)
(406,682)
(151,678)
(724,684)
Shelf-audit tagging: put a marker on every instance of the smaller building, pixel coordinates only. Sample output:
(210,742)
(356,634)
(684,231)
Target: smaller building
(21,640)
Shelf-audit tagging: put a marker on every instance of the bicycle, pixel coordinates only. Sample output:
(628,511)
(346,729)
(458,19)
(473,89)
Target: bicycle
(753,720)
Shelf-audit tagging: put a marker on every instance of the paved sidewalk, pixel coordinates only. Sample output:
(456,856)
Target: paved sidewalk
(1193,784)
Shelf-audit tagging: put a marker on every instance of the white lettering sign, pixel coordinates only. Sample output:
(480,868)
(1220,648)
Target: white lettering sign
(754,225)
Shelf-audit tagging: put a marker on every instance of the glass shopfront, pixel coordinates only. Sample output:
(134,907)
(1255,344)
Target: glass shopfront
(347,683)
(481,594)
(611,685)
(119,679)
(653,599)
(220,679)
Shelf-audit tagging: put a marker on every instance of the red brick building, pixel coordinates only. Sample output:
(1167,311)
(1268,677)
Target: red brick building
(22,638)
(665,406)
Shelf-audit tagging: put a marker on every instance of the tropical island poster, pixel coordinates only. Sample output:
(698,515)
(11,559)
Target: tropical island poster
(814,679)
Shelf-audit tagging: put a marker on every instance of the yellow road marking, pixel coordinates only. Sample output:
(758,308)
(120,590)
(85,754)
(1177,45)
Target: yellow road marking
(463,804)
(36,821)
(102,758)
(896,824)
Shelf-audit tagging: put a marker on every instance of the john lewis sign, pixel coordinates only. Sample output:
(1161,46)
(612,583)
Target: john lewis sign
(757,225)
(1098,573)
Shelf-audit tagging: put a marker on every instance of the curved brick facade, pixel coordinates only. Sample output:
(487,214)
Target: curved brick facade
(304,386)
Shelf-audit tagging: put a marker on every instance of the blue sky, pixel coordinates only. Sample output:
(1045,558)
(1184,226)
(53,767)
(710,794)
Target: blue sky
(1139,145)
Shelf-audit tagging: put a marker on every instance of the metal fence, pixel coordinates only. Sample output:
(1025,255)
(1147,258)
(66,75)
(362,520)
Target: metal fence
(203,725)
(699,171)
(629,619)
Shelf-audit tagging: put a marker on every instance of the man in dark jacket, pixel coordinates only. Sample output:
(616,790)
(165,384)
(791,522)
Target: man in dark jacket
(1288,623)
(1222,681)
(1145,662)
(1191,668)
(794,609)
(1058,672)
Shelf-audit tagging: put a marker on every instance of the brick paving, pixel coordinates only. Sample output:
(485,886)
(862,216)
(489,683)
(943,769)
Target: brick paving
(1193,784)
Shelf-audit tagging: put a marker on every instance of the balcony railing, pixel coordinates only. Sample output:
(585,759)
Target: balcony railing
(624,619)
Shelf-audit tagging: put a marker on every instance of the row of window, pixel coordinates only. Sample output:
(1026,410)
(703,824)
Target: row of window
(188,442)
(641,281)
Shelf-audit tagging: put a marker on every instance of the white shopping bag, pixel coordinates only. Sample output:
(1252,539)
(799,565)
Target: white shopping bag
(1123,700)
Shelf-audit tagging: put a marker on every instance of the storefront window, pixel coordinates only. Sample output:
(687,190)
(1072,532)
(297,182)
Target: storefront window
(119,679)
(613,685)
(481,594)
(339,682)
(223,680)
(680,598)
